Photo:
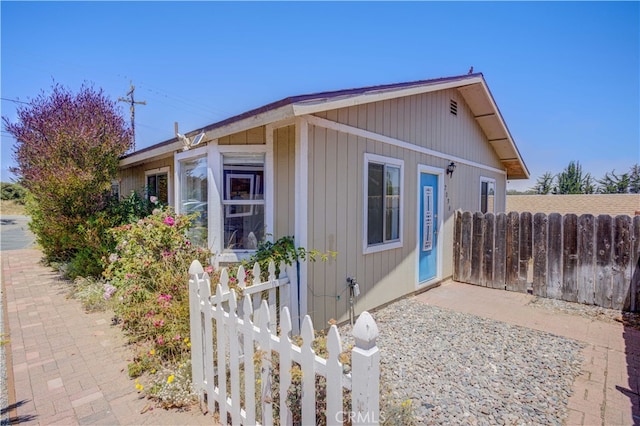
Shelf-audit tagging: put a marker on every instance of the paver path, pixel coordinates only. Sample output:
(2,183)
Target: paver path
(69,367)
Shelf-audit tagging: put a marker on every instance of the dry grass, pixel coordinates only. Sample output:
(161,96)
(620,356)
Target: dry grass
(10,207)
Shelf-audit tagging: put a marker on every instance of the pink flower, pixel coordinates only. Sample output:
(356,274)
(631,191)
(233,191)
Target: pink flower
(160,340)
(208,269)
(169,221)
(158,323)
(153,199)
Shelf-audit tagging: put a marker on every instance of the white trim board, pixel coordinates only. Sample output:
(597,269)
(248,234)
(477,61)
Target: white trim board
(345,128)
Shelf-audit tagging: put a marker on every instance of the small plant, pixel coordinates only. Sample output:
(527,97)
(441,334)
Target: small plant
(149,272)
(171,388)
(282,250)
(93,293)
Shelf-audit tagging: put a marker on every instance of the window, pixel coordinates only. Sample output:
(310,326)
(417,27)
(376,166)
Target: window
(243,200)
(115,189)
(157,184)
(487,195)
(194,196)
(383,192)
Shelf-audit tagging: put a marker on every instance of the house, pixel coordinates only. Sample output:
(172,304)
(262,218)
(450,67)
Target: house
(373,173)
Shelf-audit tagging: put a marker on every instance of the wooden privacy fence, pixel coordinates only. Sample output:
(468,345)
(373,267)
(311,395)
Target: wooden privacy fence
(586,259)
(242,367)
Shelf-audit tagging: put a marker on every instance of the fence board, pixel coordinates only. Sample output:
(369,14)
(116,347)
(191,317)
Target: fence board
(476,249)
(603,295)
(540,254)
(525,250)
(500,253)
(465,246)
(487,250)
(586,259)
(554,256)
(570,258)
(621,271)
(457,246)
(513,251)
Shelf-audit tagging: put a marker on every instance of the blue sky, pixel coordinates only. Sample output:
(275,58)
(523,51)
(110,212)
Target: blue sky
(565,75)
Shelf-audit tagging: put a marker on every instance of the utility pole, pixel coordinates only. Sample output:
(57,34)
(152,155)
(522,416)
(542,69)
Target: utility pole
(130,100)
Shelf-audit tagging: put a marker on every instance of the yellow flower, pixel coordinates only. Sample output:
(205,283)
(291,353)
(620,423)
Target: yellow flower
(188,344)
(139,387)
(152,352)
(406,403)
(186,340)
(153,371)
(171,378)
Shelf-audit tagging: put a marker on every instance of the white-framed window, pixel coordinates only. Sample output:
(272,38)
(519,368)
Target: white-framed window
(383,203)
(243,200)
(157,184)
(487,195)
(193,192)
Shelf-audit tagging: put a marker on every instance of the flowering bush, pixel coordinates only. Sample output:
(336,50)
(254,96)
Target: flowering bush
(149,270)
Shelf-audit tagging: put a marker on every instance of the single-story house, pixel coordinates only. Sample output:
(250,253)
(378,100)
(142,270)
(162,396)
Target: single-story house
(373,173)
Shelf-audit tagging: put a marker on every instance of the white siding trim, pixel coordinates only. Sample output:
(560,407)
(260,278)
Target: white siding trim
(440,224)
(302,204)
(374,158)
(344,128)
(311,107)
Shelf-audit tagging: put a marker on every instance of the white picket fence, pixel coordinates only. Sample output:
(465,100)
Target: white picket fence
(226,336)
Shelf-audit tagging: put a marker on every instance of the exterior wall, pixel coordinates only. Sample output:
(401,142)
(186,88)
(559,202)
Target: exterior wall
(595,204)
(284,142)
(336,185)
(133,179)
(255,136)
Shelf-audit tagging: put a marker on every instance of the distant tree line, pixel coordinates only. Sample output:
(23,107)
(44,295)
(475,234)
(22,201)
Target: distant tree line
(572,180)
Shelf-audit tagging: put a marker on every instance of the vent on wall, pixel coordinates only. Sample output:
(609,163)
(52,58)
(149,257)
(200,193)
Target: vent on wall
(453,107)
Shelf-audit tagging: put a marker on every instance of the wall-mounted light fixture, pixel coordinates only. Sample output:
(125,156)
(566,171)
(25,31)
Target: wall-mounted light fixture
(450,168)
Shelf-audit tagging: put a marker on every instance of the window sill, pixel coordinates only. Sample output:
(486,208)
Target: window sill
(382,247)
(233,256)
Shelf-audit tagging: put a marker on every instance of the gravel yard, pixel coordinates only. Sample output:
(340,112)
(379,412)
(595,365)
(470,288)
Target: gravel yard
(462,369)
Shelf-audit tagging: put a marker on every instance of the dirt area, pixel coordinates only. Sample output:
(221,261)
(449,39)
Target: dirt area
(11,208)
(629,319)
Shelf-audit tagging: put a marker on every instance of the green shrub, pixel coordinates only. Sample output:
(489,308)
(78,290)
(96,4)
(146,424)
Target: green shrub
(13,191)
(149,268)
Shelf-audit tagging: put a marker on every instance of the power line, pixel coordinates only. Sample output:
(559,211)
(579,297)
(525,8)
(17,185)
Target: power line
(15,101)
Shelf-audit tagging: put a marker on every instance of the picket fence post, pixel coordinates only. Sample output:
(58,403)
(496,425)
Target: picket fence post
(196,330)
(365,373)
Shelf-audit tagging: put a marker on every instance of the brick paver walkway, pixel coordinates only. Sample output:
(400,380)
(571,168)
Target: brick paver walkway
(606,392)
(69,367)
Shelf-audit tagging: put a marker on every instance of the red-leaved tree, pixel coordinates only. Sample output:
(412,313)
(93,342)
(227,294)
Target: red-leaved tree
(67,152)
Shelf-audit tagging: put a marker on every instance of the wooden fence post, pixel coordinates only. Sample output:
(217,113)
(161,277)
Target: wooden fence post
(476,249)
(586,251)
(570,258)
(487,250)
(635,264)
(365,362)
(513,251)
(540,254)
(621,263)
(500,253)
(554,257)
(604,290)
(526,223)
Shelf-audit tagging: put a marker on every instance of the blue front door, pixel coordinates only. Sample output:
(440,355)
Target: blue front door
(428,223)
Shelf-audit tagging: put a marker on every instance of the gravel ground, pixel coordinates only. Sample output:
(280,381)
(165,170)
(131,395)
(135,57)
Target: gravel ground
(461,369)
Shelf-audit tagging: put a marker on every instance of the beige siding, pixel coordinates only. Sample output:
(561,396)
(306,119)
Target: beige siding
(284,142)
(133,178)
(255,136)
(595,204)
(336,184)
